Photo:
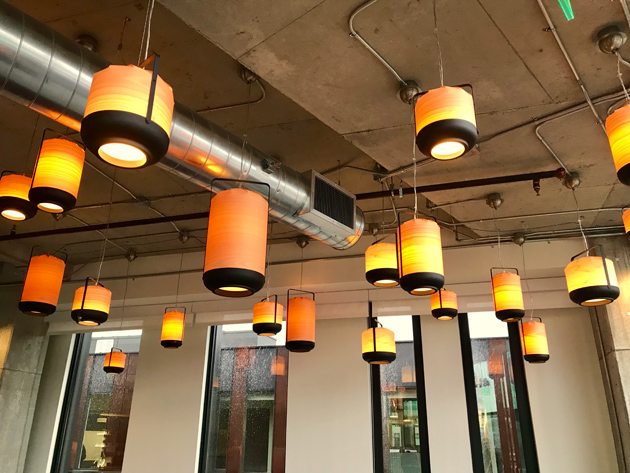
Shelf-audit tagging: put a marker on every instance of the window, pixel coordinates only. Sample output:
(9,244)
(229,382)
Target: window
(398,399)
(495,381)
(96,410)
(245,418)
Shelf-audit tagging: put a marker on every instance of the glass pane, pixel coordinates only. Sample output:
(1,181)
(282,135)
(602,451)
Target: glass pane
(247,372)
(401,434)
(100,431)
(496,395)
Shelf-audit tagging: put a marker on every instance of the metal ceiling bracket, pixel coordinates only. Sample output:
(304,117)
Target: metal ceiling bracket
(302,241)
(494,200)
(610,39)
(571,180)
(409,92)
(519,238)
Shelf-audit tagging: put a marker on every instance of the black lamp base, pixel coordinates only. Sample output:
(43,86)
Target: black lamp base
(89,317)
(246,279)
(25,207)
(267,329)
(300,346)
(540,358)
(444,313)
(379,357)
(594,295)
(460,131)
(422,284)
(50,195)
(383,274)
(36,308)
(510,315)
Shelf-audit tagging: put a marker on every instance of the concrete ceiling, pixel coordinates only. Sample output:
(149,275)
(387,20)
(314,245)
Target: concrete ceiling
(329,101)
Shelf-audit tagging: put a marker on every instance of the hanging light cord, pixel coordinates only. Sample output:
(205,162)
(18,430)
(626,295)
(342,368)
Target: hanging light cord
(302,269)
(120,43)
(415,164)
(109,218)
(268,258)
(30,146)
(122,316)
(623,86)
(146,33)
(496,227)
(437,39)
(529,293)
(179,277)
(579,220)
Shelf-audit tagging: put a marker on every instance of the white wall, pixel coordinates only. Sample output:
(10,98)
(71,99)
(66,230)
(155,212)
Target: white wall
(449,445)
(567,398)
(329,409)
(166,408)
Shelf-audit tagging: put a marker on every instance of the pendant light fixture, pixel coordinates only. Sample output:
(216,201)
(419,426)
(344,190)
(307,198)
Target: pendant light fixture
(127,121)
(626,220)
(381,267)
(300,322)
(57,173)
(508,295)
(419,253)
(408,376)
(444,305)
(14,202)
(91,304)
(535,347)
(618,130)
(445,122)
(268,317)
(378,343)
(42,285)
(114,361)
(173,327)
(495,364)
(237,239)
(591,280)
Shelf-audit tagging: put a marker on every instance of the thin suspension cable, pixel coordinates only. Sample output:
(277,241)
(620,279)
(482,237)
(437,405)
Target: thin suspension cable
(146,33)
(437,39)
(529,292)
(179,277)
(109,219)
(623,86)
(302,270)
(268,259)
(30,146)
(579,219)
(120,43)
(122,315)
(415,165)
(498,237)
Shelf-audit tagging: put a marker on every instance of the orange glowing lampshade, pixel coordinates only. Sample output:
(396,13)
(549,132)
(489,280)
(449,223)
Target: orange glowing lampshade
(278,365)
(381,268)
(114,361)
(535,348)
(444,305)
(626,221)
(14,202)
(445,123)
(268,317)
(91,304)
(378,345)
(618,130)
(300,323)
(589,282)
(173,328)
(42,285)
(419,255)
(236,243)
(119,126)
(57,175)
(508,295)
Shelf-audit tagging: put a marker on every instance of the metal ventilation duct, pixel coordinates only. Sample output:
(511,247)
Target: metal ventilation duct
(48,73)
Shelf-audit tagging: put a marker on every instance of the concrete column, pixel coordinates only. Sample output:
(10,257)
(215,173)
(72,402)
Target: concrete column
(22,349)
(611,326)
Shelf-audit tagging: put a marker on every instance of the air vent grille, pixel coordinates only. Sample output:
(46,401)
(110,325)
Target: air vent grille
(333,202)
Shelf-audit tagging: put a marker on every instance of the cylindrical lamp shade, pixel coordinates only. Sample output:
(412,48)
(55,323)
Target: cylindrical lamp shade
(114,362)
(91,305)
(300,324)
(114,126)
(42,285)
(445,123)
(444,305)
(618,130)
(408,375)
(278,365)
(586,281)
(236,244)
(626,221)
(535,348)
(173,329)
(14,202)
(508,296)
(420,265)
(378,345)
(57,175)
(267,318)
(381,268)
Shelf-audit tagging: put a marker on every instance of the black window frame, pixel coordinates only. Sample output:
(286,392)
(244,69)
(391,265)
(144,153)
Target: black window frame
(529,452)
(421,397)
